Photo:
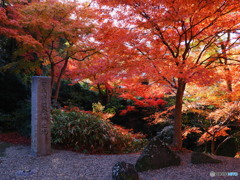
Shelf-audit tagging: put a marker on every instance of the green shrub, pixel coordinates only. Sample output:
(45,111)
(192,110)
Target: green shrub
(89,133)
(22,118)
(19,121)
(111,110)
(6,122)
(76,95)
(195,117)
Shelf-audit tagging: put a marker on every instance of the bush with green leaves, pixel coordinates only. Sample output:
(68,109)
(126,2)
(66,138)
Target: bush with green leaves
(89,133)
(78,95)
(22,118)
(19,120)
(6,122)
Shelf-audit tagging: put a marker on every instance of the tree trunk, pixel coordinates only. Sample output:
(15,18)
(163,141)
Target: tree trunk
(228,75)
(213,145)
(177,139)
(229,85)
(109,95)
(52,75)
(58,84)
(100,93)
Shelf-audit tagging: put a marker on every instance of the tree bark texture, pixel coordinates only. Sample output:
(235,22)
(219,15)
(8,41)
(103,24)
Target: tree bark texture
(177,139)
(58,83)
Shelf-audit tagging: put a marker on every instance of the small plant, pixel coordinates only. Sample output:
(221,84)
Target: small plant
(111,110)
(97,107)
(6,122)
(88,132)
(215,127)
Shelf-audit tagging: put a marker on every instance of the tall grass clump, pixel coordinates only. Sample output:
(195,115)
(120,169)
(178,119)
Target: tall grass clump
(87,132)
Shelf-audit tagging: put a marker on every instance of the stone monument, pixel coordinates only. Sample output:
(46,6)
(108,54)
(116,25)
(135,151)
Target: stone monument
(41,104)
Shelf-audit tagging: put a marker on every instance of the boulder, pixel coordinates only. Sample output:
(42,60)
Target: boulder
(228,148)
(156,155)
(190,142)
(166,135)
(201,158)
(124,171)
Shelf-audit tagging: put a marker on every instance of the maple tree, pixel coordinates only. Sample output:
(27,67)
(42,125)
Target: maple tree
(97,72)
(62,29)
(53,32)
(228,51)
(222,120)
(171,41)
(10,26)
(103,77)
(5,21)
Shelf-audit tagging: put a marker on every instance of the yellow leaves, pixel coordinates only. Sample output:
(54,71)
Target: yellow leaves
(206,95)
(42,16)
(230,112)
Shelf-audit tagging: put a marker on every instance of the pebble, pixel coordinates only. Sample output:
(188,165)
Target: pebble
(18,164)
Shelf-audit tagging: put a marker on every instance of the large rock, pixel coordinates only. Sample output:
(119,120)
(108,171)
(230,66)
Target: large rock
(156,155)
(124,171)
(228,148)
(166,135)
(200,158)
(190,142)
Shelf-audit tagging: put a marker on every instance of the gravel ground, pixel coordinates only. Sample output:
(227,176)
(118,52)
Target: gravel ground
(65,165)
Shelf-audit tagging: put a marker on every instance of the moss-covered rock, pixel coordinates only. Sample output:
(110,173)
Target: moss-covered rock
(156,155)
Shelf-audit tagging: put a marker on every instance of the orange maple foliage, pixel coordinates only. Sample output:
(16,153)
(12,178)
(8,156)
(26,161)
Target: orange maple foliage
(52,31)
(212,134)
(189,130)
(172,42)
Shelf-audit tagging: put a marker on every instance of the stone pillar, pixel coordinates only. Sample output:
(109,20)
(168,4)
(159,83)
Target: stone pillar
(41,104)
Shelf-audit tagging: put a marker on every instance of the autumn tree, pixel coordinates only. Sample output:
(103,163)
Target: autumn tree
(10,40)
(52,33)
(7,31)
(97,72)
(170,41)
(227,49)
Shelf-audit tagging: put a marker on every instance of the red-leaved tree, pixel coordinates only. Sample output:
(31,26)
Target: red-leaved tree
(170,41)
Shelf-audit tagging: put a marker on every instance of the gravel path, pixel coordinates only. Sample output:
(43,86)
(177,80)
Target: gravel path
(65,165)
